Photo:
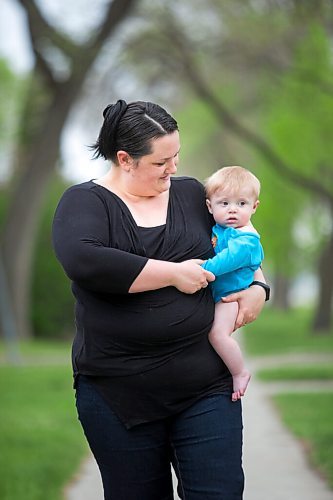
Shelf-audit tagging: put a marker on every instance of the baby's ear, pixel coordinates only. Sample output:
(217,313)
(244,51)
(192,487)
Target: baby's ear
(255,205)
(209,206)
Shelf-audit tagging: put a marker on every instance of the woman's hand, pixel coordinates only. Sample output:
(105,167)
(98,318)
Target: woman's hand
(250,303)
(189,276)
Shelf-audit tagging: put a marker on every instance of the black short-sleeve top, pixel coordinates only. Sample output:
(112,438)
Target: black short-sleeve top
(147,352)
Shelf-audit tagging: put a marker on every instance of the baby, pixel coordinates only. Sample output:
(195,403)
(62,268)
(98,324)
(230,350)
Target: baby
(232,197)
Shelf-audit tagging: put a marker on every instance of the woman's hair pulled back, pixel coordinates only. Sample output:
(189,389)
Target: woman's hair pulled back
(131,128)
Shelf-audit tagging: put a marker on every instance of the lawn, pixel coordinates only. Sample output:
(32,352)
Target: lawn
(276,333)
(37,351)
(41,440)
(309,416)
(297,372)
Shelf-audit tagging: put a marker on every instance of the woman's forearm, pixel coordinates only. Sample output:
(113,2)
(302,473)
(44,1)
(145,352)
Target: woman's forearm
(155,274)
(188,276)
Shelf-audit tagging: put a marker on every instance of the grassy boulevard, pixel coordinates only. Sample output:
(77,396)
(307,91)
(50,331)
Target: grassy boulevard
(40,439)
(307,414)
(42,443)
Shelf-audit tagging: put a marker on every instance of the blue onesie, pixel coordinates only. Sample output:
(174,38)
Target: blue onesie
(238,255)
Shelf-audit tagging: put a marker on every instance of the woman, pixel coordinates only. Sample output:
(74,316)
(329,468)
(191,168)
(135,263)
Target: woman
(150,389)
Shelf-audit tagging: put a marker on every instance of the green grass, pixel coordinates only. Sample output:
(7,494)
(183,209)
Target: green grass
(309,416)
(275,333)
(41,441)
(36,352)
(299,372)
(40,347)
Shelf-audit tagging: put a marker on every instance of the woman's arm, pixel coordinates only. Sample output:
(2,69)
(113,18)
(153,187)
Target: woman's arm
(187,276)
(81,241)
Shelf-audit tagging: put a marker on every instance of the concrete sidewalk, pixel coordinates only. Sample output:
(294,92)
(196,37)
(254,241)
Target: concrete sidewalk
(88,486)
(274,463)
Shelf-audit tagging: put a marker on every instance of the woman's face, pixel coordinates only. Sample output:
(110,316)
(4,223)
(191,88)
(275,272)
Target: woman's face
(150,175)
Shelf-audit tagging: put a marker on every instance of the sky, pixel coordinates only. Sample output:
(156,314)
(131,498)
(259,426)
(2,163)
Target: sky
(15,47)
(14,41)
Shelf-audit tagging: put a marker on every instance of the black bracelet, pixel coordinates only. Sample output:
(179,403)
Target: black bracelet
(266,287)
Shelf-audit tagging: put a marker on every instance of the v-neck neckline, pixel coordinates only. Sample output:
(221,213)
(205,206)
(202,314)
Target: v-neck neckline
(122,202)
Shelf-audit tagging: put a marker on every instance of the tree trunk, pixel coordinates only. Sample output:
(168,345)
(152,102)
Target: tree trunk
(23,215)
(281,292)
(323,316)
(21,226)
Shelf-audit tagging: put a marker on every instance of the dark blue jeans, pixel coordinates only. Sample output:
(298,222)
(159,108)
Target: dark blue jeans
(204,444)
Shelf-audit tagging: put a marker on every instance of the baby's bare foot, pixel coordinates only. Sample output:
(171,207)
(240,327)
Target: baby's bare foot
(240,382)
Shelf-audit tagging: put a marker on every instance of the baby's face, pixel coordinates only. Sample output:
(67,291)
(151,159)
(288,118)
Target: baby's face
(232,209)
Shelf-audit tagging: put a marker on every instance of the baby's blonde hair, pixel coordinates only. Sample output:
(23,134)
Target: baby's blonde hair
(232,179)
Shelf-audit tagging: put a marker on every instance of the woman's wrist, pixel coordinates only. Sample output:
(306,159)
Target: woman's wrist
(266,288)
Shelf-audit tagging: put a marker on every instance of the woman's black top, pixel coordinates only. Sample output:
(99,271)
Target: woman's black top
(148,352)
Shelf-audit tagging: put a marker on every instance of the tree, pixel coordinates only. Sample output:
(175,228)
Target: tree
(321,187)
(300,122)
(194,63)
(48,104)
(11,89)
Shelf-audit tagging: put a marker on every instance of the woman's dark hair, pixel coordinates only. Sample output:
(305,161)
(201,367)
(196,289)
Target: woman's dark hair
(131,128)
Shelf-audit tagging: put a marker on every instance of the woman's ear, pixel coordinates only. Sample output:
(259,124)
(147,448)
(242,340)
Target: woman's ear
(125,160)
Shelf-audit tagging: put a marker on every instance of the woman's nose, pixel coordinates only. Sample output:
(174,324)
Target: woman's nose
(172,166)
